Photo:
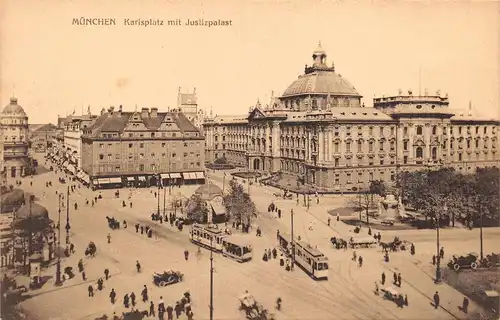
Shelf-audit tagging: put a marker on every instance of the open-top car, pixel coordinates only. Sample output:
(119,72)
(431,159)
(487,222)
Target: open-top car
(462,262)
(167,278)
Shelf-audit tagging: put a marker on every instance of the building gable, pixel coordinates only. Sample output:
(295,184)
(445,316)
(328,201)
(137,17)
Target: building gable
(257,114)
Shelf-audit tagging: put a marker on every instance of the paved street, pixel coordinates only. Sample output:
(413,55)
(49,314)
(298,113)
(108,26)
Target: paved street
(348,293)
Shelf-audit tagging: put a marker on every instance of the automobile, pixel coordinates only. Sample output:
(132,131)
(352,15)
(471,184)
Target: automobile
(167,278)
(461,262)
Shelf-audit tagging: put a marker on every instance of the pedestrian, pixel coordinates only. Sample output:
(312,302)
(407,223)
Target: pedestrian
(124,224)
(395,276)
(170,311)
(76,206)
(92,203)
(190,315)
(72,248)
(360,261)
(161,305)
(130,204)
(178,309)
(279,213)
(338,217)
(112,296)
(436,300)
(80,265)
(412,249)
(138,266)
(155,195)
(125,300)
(376,288)
(406,300)
(132,299)
(441,253)
(99,284)
(465,305)
(186,255)
(91,291)
(152,309)
(142,230)
(269,254)
(144,294)
(328,220)
(434,260)
(84,276)
(106,273)
(137,228)
(109,238)
(383,278)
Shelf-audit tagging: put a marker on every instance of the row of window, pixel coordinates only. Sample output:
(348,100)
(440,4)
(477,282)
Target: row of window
(141,155)
(163,145)
(144,167)
(14,138)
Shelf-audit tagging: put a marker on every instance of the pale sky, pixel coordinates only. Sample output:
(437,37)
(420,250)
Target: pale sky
(54,67)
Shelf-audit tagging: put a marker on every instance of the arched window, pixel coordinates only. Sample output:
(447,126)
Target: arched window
(419,130)
(434,130)
(434,153)
(419,153)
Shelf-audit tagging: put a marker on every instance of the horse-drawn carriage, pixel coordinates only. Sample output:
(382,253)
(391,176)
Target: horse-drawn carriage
(91,250)
(395,245)
(252,309)
(113,223)
(361,242)
(393,295)
(338,243)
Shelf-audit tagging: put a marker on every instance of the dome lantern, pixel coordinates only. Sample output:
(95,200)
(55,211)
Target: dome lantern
(319,56)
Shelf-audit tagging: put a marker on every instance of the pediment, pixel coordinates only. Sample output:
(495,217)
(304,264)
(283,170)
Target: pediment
(257,114)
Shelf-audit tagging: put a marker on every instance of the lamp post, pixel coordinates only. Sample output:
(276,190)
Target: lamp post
(68,227)
(438,265)
(58,267)
(293,241)
(158,182)
(211,281)
(481,231)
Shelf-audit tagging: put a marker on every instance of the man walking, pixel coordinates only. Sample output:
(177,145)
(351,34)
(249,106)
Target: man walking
(152,309)
(436,300)
(106,273)
(91,291)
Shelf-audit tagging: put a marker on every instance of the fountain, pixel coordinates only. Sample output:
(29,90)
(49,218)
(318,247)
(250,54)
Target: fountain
(390,208)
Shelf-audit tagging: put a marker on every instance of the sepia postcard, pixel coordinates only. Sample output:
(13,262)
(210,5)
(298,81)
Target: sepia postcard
(231,160)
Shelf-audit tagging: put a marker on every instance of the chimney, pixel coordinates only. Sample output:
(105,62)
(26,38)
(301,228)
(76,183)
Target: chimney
(154,112)
(110,110)
(144,112)
(103,111)
(120,109)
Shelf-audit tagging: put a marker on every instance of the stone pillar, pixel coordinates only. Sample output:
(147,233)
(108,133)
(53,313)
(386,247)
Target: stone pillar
(321,145)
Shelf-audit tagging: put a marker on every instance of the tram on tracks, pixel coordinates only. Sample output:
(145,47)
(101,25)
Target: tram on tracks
(310,259)
(214,239)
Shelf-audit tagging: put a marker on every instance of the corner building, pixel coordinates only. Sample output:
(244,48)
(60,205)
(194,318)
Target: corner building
(15,160)
(136,148)
(321,133)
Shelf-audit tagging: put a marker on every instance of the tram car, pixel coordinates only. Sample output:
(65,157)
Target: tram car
(310,259)
(216,240)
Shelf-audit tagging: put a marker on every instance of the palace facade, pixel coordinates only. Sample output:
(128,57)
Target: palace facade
(15,160)
(320,132)
(137,147)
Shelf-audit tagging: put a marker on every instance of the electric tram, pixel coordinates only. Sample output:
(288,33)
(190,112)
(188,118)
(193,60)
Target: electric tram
(310,259)
(218,241)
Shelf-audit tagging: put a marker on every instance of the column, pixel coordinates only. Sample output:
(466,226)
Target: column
(321,146)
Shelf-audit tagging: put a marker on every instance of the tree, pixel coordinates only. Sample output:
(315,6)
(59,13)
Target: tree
(239,206)
(196,209)
(221,160)
(377,187)
(361,202)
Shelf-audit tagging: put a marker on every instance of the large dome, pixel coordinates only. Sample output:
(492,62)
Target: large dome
(320,79)
(321,82)
(13,108)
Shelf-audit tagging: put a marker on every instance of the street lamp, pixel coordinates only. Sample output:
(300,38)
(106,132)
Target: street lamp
(293,241)
(68,227)
(438,265)
(58,267)
(481,230)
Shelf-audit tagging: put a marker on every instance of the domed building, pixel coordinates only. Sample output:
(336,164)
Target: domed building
(319,133)
(15,151)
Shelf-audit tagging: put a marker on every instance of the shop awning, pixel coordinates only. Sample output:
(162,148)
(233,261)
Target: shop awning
(115,180)
(130,179)
(200,175)
(71,168)
(165,176)
(189,175)
(85,178)
(103,181)
(142,178)
(217,207)
(175,176)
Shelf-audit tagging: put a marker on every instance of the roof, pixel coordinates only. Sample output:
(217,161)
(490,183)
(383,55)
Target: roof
(321,82)
(117,121)
(209,191)
(31,209)
(13,108)
(340,113)
(42,127)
